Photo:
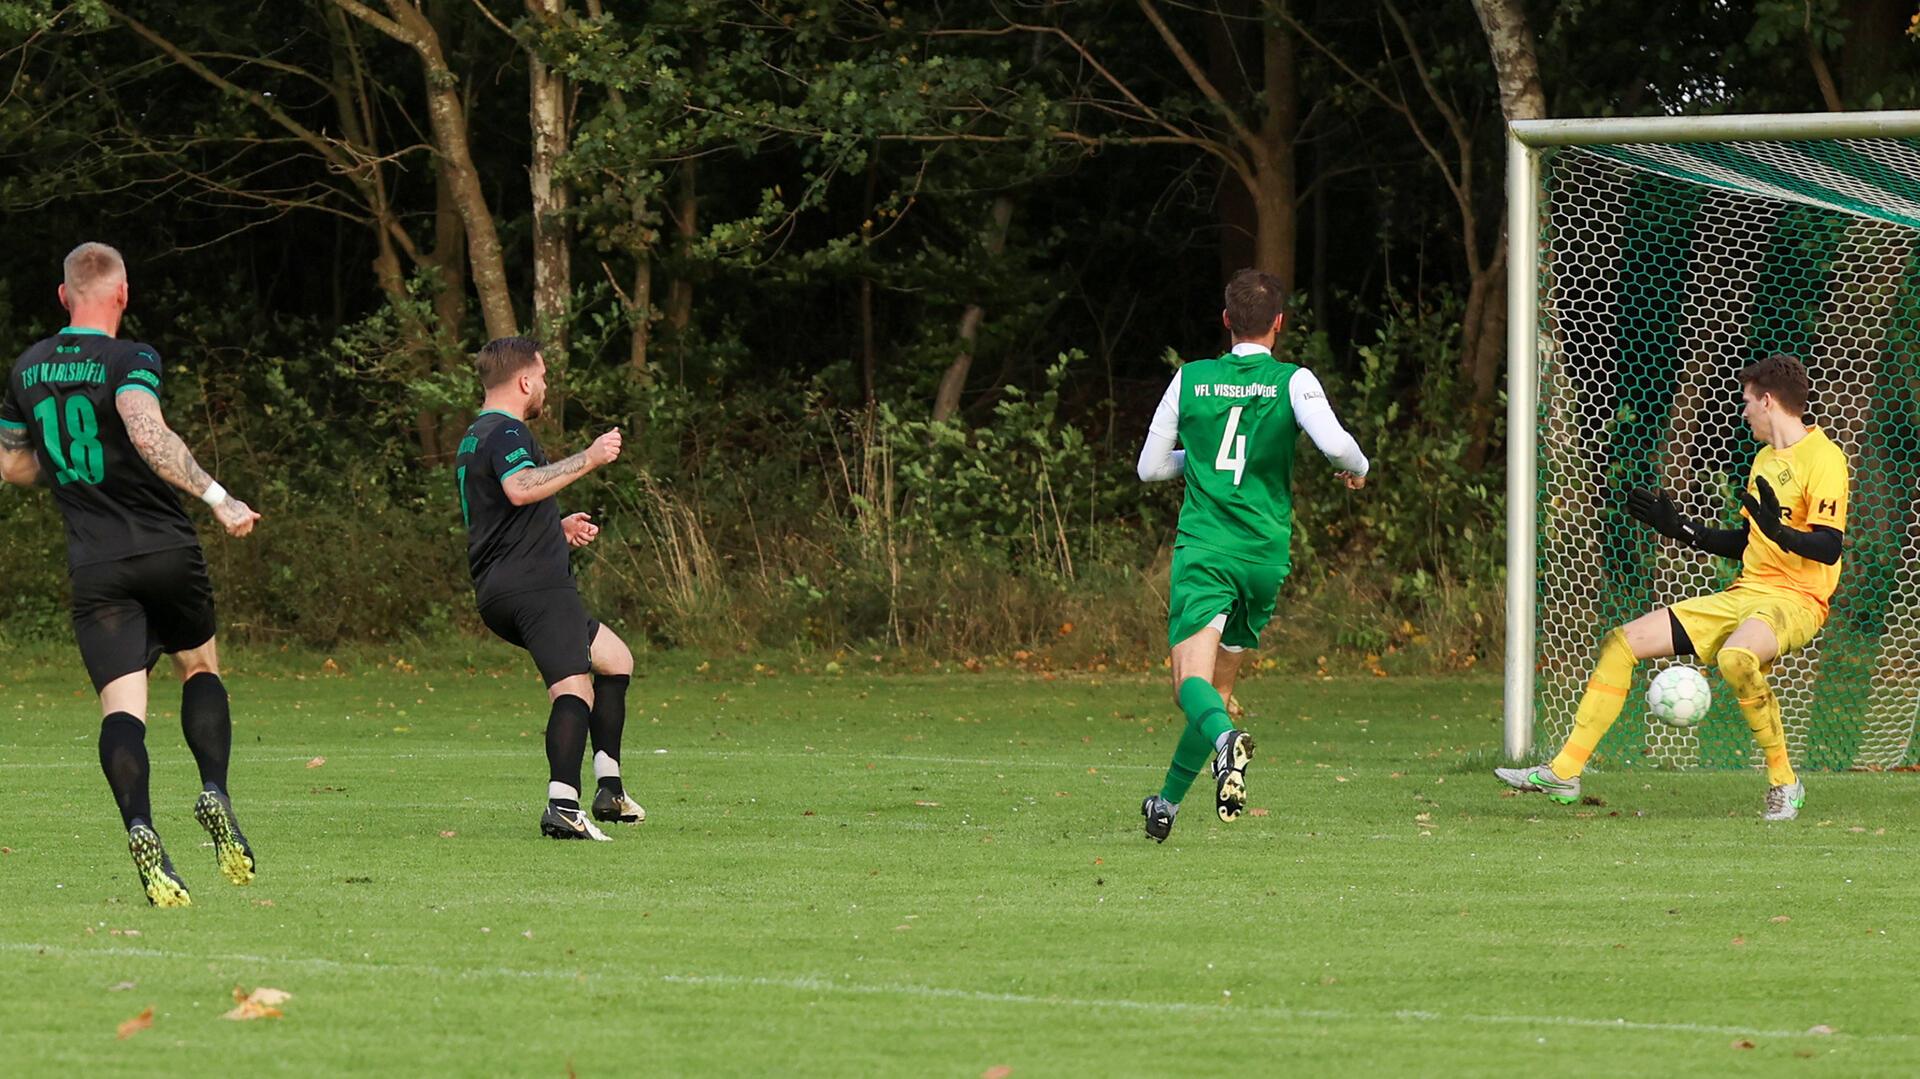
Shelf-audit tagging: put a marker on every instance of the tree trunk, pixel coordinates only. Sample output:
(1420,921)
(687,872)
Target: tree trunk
(946,401)
(552,256)
(1275,194)
(1516,64)
(869,353)
(640,311)
(1875,46)
(450,262)
(447,117)
(1234,204)
(1516,67)
(686,222)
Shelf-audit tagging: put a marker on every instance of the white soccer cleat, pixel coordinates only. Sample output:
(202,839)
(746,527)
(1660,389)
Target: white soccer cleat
(559,823)
(1540,778)
(1784,801)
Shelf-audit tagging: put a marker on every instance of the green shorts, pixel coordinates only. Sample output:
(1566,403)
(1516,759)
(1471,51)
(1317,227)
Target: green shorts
(1206,584)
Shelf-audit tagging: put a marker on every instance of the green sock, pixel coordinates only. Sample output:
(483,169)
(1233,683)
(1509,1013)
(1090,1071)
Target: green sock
(1188,758)
(1206,722)
(1204,708)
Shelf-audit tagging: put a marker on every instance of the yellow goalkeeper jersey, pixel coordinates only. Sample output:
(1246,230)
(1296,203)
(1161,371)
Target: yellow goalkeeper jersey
(1811,480)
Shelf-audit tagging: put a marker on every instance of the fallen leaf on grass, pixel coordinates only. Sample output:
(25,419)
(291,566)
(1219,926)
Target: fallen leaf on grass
(1259,811)
(930,805)
(1742,1043)
(998,1071)
(448,835)
(120,987)
(1779,919)
(1821,1029)
(316,762)
(137,1024)
(262,1003)
(1739,942)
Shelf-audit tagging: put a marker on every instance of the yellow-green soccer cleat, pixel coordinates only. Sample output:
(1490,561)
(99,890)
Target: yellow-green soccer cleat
(163,886)
(230,848)
(1541,778)
(1230,775)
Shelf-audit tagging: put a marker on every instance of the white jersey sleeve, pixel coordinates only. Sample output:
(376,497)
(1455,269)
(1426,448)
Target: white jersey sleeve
(1316,418)
(1158,459)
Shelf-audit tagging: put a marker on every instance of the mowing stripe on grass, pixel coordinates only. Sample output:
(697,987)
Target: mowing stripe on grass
(972,996)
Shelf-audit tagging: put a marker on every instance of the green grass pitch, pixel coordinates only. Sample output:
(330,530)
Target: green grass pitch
(933,874)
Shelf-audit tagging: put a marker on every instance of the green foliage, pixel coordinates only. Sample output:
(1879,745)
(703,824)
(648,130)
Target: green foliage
(1424,512)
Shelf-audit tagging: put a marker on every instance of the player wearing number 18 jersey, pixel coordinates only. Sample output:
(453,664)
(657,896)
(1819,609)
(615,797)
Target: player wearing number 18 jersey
(80,413)
(1239,417)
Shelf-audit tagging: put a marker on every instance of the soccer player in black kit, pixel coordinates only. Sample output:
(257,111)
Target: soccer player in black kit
(80,413)
(517,552)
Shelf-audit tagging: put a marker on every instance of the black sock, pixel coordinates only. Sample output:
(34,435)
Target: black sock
(123,757)
(208,725)
(566,740)
(609,719)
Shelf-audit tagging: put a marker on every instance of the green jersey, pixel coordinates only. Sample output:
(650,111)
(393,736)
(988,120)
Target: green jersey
(1237,423)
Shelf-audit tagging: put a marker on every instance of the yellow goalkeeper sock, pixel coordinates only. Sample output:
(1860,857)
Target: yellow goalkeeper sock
(1748,679)
(1599,706)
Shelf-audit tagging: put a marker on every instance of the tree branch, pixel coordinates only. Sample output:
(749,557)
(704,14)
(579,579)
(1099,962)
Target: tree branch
(1240,130)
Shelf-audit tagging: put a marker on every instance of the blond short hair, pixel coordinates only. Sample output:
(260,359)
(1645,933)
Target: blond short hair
(93,266)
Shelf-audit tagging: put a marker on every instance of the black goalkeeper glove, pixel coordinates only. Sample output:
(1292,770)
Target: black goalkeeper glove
(1655,508)
(1766,511)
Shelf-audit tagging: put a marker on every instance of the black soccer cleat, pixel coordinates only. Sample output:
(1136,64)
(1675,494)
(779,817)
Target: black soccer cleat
(163,886)
(1230,775)
(1159,814)
(617,807)
(230,847)
(562,823)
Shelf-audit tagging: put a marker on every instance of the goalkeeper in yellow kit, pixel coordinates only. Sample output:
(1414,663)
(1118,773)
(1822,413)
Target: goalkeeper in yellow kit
(1794,516)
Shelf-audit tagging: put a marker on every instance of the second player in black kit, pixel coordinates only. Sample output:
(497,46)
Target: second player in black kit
(80,414)
(517,544)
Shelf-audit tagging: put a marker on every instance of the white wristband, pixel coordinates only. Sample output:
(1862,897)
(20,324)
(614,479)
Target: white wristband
(214,494)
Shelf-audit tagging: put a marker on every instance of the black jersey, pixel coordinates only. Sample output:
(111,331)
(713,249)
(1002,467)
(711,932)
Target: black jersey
(61,392)
(509,548)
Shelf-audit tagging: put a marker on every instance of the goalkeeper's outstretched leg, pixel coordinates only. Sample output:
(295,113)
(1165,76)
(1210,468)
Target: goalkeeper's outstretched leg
(1647,637)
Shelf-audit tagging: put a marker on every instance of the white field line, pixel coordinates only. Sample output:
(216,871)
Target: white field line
(970,996)
(634,758)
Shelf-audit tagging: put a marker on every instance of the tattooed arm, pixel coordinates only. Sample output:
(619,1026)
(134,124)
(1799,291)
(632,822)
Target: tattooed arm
(17,462)
(529,485)
(171,460)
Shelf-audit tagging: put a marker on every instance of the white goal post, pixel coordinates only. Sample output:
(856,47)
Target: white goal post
(1649,259)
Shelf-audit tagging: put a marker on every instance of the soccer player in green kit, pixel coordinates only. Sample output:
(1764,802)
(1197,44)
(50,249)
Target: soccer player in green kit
(1238,417)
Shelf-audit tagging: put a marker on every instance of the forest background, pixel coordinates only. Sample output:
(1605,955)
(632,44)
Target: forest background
(882,293)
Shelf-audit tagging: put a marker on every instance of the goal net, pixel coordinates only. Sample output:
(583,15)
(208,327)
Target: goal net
(1660,269)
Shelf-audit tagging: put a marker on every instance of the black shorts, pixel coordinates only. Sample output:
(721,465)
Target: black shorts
(126,613)
(551,623)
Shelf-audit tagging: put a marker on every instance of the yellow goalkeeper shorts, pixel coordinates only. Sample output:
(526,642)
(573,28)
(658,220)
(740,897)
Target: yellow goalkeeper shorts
(1710,620)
